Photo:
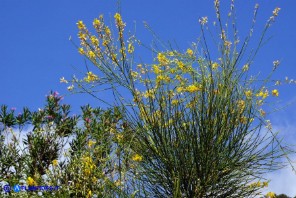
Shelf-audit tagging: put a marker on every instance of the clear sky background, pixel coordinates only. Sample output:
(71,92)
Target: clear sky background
(35,48)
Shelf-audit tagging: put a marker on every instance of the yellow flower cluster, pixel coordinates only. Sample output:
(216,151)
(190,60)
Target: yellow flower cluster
(241,105)
(156,69)
(193,88)
(80,50)
(248,94)
(80,25)
(130,48)
(270,195)
(91,77)
(119,137)
(119,23)
(174,102)
(90,143)
(259,184)
(88,165)
(149,93)
(96,23)
(91,55)
(162,59)
(137,158)
(108,31)
(163,78)
(215,66)
(31,181)
(246,67)
(89,194)
(55,162)
(275,92)
(94,40)
(243,120)
(263,94)
(118,18)
(189,52)
(181,65)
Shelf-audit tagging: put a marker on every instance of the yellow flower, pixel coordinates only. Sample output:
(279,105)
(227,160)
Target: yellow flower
(91,55)
(131,48)
(171,53)
(243,120)
(80,25)
(262,94)
(82,36)
(275,92)
(248,93)
(178,77)
(265,184)
(91,77)
(271,195)
(241,105)
(89,194)
(87,171)
(181,65)
(80,50)
(90,143)
(175,102)
(117,183)
(117,16)
(31,182)
(162,78)
(255,185)
(137,158)
(246,67)
(119,137)
(189,52)
(96,22)
(108,31)
(162,59)
(87,160)
(173,70)
(94,40)
(94,179)
(55,162)
(265,94)
(192,88)
(149,94)
(180,89)
(215,65)
(156,69)
(105,43)
(134,74)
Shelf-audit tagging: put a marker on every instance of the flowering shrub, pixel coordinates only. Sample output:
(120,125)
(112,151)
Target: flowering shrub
(81,155)
(197,115)
(191,123)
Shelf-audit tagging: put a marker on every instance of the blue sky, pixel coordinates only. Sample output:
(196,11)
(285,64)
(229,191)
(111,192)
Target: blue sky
(36,51)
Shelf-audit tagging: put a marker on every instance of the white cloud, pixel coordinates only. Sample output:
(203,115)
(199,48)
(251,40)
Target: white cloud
(284,181)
